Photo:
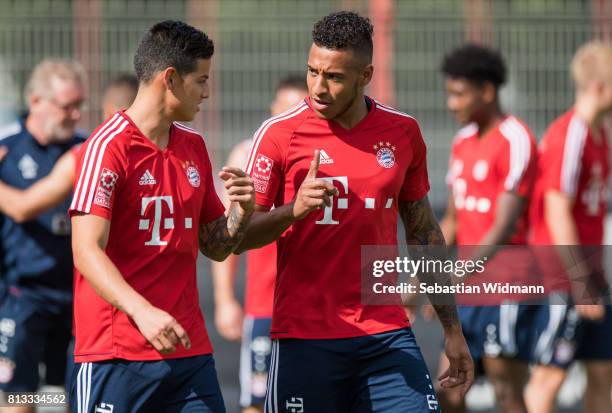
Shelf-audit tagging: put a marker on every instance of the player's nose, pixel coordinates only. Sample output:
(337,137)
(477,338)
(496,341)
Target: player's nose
(319,88)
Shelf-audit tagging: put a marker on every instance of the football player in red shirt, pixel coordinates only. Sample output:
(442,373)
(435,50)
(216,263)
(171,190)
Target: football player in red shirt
(144,202)
(254,327)
(331,351)
(568,209)
(491,175)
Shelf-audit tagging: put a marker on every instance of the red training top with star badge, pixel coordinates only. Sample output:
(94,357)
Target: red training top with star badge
(380,161)
(155,200)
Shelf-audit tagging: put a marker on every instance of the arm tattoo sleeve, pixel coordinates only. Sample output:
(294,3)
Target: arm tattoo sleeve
(423,230)
(219,238)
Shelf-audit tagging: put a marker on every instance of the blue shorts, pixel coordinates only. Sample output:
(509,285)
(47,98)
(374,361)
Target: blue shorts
(499,331)
(175,385)
(33,331)
(596,339)
(557,332)
(255,354)
(377,373)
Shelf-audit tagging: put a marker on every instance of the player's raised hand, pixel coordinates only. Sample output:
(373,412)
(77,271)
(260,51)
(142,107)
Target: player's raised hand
(460,372)
(161,329)
(239,187)
(313,193)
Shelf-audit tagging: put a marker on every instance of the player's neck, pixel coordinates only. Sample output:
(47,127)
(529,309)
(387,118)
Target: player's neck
(149,117)
(353,114)
(35,128)
(489,121)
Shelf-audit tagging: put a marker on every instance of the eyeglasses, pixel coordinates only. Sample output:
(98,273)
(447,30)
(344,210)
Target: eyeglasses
(68,107)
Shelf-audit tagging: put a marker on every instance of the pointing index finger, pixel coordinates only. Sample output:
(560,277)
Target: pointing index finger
(314,165)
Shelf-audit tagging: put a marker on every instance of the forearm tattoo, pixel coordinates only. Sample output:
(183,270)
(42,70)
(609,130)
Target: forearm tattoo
(219,238)
(422,229)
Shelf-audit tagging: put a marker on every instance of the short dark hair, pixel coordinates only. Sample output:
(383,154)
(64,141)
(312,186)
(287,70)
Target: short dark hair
(294,81)
(171,44)
(344,30)
(477,64)
(123,80)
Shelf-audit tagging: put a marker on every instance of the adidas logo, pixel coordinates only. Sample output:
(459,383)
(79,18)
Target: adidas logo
(324,158)
(147,179)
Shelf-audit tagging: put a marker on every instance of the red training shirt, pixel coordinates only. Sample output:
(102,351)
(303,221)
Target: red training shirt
(380,161)
(155,200)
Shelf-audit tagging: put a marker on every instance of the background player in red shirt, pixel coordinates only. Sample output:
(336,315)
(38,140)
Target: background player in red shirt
(144,200)
(24,205)
(491,175)
(568,209)
(332,352)
(260,275)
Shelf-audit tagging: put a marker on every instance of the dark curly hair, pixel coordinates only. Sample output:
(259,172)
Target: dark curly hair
(171,44)
(344,30)
(477,64)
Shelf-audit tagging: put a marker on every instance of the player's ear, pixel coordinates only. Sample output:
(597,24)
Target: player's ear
(366,74)
(169,77)
(489,92)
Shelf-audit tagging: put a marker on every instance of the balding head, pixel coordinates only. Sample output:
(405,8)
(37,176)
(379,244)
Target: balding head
(55,94)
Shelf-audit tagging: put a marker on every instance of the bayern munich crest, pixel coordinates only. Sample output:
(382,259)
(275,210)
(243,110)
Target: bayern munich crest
(385,154)
(192,174)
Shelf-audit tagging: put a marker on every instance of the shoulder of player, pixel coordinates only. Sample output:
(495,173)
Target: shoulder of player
(465,132)
(391,114)
(517,133)
(115,134)
(10,133)
(284,124)
(405,121)
(190,136)
(567,129)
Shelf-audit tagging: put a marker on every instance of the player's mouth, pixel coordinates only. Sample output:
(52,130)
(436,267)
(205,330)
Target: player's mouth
(320,105)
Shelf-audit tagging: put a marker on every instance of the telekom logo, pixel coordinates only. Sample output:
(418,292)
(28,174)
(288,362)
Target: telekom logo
(342,201)
(158,203)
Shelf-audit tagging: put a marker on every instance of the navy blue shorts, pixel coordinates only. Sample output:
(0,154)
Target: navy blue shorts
(166,386)
(378,373)
(255,360)
(596,339)
(499,331)
(33,331)
(558,331)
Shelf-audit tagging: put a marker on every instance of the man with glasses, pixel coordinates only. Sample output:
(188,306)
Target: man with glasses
(35,314)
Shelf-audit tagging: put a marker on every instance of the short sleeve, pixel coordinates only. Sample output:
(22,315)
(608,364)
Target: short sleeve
(517,166)
(101,170)
(265,166)
(416,181)
(212,207)
(561,151)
